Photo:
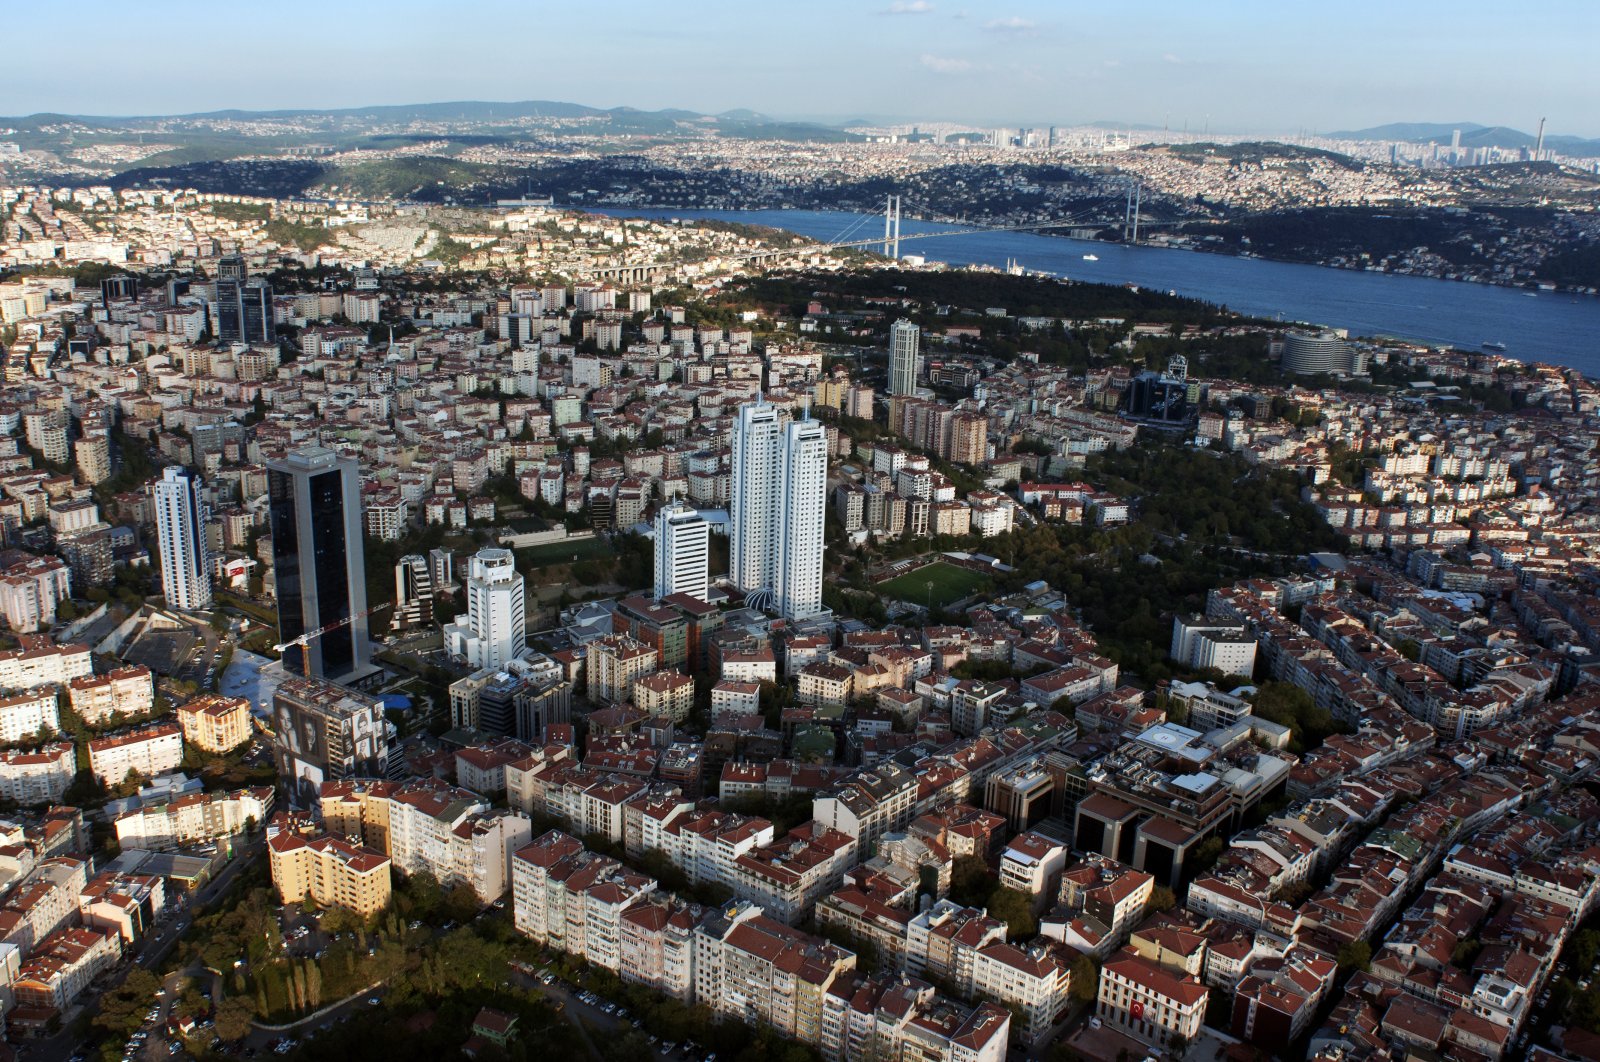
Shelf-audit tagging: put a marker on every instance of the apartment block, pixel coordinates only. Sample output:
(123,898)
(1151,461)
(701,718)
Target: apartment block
(331,871)
(99,699)
(39,776)
(215,724)
(148,750)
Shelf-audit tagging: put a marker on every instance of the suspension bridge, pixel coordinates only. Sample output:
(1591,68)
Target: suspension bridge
(1130,225)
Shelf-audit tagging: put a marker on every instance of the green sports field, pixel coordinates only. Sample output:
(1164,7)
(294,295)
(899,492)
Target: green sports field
(950,584)
(565,552)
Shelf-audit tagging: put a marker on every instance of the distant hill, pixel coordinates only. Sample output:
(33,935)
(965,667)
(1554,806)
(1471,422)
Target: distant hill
(1472,135)
(738,122)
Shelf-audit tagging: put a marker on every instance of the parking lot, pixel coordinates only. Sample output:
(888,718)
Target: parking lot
(165,652)
(603,1014)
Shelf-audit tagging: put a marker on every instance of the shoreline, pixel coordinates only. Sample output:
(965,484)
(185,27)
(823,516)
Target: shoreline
(1528,287)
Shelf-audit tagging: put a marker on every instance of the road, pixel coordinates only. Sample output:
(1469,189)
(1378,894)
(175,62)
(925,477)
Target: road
(150,953)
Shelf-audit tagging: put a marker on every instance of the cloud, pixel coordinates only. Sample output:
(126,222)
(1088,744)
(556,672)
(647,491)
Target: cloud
(1173,59)
(1012,24)
(945,64)
(908,7)
(1111,64)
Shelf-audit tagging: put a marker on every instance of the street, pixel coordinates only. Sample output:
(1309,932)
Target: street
(149,953)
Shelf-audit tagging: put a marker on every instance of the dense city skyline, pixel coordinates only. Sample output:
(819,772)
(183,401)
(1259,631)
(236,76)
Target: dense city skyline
(790,544)
(1028,62)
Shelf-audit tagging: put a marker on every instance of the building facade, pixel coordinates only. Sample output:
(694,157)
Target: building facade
(683,549)
(318,564)
(181,515)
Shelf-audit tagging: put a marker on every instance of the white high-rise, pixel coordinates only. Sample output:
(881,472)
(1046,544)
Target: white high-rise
(181,535)
(683,551)
(778,500)
(494,630)
(904,360)
(797,588)
(753,497)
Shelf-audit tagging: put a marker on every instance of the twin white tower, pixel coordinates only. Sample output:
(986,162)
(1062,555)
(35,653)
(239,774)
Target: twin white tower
(779,495)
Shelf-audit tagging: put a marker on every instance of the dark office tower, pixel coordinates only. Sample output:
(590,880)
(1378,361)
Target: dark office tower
(118,289)
(244,306)
(1159,397)
(256,312)
(318,563)
(230,311)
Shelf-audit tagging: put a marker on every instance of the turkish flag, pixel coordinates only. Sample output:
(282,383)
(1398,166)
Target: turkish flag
(1137,1009)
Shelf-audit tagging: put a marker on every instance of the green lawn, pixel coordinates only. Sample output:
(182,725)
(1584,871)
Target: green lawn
(565,552)
(950,584)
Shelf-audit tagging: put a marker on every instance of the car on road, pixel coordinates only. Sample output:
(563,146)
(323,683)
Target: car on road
(374,1001)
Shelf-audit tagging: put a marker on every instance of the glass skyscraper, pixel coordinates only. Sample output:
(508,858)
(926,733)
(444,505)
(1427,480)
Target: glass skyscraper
(318,562)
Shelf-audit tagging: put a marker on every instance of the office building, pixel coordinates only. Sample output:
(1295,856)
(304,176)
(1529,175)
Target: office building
(318,564)
(413,592)
(683,551)
(181,534)
(494,630)
(325,732)
(120,288)
(244,306)
(780,483)
(905,362)
(1159,397)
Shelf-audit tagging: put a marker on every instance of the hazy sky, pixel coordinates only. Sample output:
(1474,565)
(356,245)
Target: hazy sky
(1251,65)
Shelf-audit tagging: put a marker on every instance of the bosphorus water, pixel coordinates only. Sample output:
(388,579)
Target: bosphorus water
(1554,327)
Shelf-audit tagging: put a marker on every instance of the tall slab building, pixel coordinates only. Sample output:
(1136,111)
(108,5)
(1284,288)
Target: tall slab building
(314,495)
(181,538)
(683,552)
(777,506)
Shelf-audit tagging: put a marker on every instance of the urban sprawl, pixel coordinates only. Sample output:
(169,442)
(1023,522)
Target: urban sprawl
(700,621)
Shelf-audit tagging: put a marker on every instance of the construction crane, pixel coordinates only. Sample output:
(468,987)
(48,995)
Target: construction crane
(306,638)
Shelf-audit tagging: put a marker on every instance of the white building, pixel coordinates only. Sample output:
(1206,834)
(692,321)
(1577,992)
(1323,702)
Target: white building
(904,337)
(23,715)
(1203,643)
(754,497)
(683,552)
(1151,1003)
(797,589)
(493,631)
(181,531)
(38,777)
(31,667)
(149,750)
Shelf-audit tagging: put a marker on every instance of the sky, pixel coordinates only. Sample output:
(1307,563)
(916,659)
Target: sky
(1233,66)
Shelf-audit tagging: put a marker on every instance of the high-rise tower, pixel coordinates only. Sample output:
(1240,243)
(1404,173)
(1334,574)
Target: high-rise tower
(777,505)
(797,586)
(753,497)
(244,306)
(181,534)
(318,563)
(494,629)
(904,362)
(683,544)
